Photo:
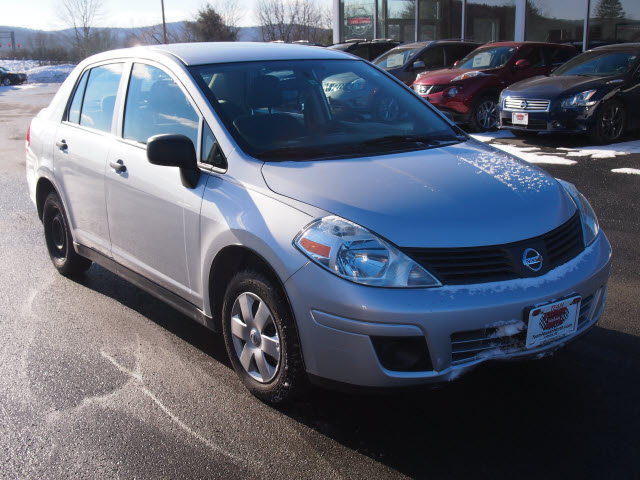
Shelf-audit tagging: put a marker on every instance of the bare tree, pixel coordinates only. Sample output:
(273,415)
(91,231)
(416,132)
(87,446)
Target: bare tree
(81,17)
(291,20)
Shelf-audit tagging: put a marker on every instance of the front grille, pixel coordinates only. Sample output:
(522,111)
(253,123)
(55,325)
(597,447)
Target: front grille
(526,105)
(585,311)
(470,345)
(463,266)
(429,89)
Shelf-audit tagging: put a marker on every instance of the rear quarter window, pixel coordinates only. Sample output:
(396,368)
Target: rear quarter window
(100,97)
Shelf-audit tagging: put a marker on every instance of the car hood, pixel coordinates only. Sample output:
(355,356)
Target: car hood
(458,196)
(550,87)
(443,76)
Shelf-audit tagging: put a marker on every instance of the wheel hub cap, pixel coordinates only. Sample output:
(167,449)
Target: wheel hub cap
(255,337)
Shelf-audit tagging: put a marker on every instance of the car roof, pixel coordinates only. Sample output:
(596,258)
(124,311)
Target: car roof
(620,47)
(427,43)
(227,52)
(522,44)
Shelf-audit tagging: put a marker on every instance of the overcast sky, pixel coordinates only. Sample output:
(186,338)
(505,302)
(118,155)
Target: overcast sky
(41,14)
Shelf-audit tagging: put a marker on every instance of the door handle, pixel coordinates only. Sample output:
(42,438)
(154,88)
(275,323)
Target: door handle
(118,166)
(62,145)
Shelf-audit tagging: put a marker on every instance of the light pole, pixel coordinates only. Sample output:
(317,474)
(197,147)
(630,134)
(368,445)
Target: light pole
(164,24)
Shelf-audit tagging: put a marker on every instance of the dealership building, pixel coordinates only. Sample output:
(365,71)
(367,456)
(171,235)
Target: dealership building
(580,21)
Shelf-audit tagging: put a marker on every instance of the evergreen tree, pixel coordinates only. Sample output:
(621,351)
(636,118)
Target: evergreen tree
(209,26)
(609,9)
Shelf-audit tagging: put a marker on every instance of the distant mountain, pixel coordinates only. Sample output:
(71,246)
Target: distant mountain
(28,38)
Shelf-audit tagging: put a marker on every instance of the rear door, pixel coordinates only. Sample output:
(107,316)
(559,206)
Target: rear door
(537,63)
(146,203)
(83,141)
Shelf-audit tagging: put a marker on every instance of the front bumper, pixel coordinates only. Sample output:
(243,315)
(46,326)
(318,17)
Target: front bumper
(569,120)
(337,319)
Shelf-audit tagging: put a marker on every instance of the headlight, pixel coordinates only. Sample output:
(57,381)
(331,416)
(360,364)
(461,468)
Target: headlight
(357,84)
(464,76)
(590,226)
(582,99)
(452,92)
(354,253)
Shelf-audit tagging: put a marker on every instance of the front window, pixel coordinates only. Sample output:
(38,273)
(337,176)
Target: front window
(396,57)
(312,109)
(488,57)
(598,64)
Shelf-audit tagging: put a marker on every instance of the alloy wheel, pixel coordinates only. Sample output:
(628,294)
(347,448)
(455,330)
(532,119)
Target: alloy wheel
(612,122)
(487,114)
(255,337)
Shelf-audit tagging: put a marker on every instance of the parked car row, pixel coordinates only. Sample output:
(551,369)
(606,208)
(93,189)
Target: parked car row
(526,87)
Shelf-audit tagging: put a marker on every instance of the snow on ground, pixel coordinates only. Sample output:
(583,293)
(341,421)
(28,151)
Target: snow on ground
(37,73)
(632,171)
(562,155)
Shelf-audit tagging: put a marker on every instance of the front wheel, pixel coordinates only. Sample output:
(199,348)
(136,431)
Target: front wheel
(6,82)
(261,338)
(610,123)
(59,241)
(484,114)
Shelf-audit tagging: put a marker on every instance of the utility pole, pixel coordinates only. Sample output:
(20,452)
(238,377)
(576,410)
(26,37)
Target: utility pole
(164,24)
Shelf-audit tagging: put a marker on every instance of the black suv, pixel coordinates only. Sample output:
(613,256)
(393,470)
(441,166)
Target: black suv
(406,61)
(367,49)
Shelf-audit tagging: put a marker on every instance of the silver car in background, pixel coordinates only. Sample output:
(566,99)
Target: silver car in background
(327,245)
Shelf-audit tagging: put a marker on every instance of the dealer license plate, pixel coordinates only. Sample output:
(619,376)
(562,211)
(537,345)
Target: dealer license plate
(552,321)
(520,118)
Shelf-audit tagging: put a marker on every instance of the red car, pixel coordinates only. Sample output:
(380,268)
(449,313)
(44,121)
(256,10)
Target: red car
(471,89)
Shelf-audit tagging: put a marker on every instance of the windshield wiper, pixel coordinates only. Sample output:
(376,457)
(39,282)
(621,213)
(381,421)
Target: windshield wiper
(288,153)
(395,139)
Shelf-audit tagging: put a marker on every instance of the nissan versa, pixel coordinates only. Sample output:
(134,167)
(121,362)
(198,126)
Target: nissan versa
(325,246)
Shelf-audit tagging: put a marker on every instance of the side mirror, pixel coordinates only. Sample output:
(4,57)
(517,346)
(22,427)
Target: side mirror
(171,150)
(522,64)
(418,65)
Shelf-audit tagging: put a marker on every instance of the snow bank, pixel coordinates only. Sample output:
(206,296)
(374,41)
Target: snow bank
(37,73)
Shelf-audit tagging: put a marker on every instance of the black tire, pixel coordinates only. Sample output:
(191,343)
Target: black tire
(485,115)
(6,81)
(524,133)
(58,238)
(289,379)
(610,124)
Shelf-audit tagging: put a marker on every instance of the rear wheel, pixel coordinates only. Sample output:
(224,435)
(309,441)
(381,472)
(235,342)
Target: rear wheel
(6,82)
(610,123)
(484,114)
(261,338)
(58,238)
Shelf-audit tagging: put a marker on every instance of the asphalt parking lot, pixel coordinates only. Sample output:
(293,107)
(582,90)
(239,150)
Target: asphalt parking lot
(100,380)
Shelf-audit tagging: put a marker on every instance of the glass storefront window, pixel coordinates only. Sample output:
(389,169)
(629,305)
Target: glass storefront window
(397,19)
(554,21)
(490,20)
(357,19)
(614,21)
(440,19)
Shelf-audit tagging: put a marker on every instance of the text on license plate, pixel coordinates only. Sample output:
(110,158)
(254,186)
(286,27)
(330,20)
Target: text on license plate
(552,321)
(520,118)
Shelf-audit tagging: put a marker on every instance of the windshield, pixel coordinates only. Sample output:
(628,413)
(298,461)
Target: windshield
(311,109)
(488,57)
(396,57)
(598,64)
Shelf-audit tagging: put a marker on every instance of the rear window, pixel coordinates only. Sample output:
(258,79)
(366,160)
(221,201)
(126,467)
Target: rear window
(93,105)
